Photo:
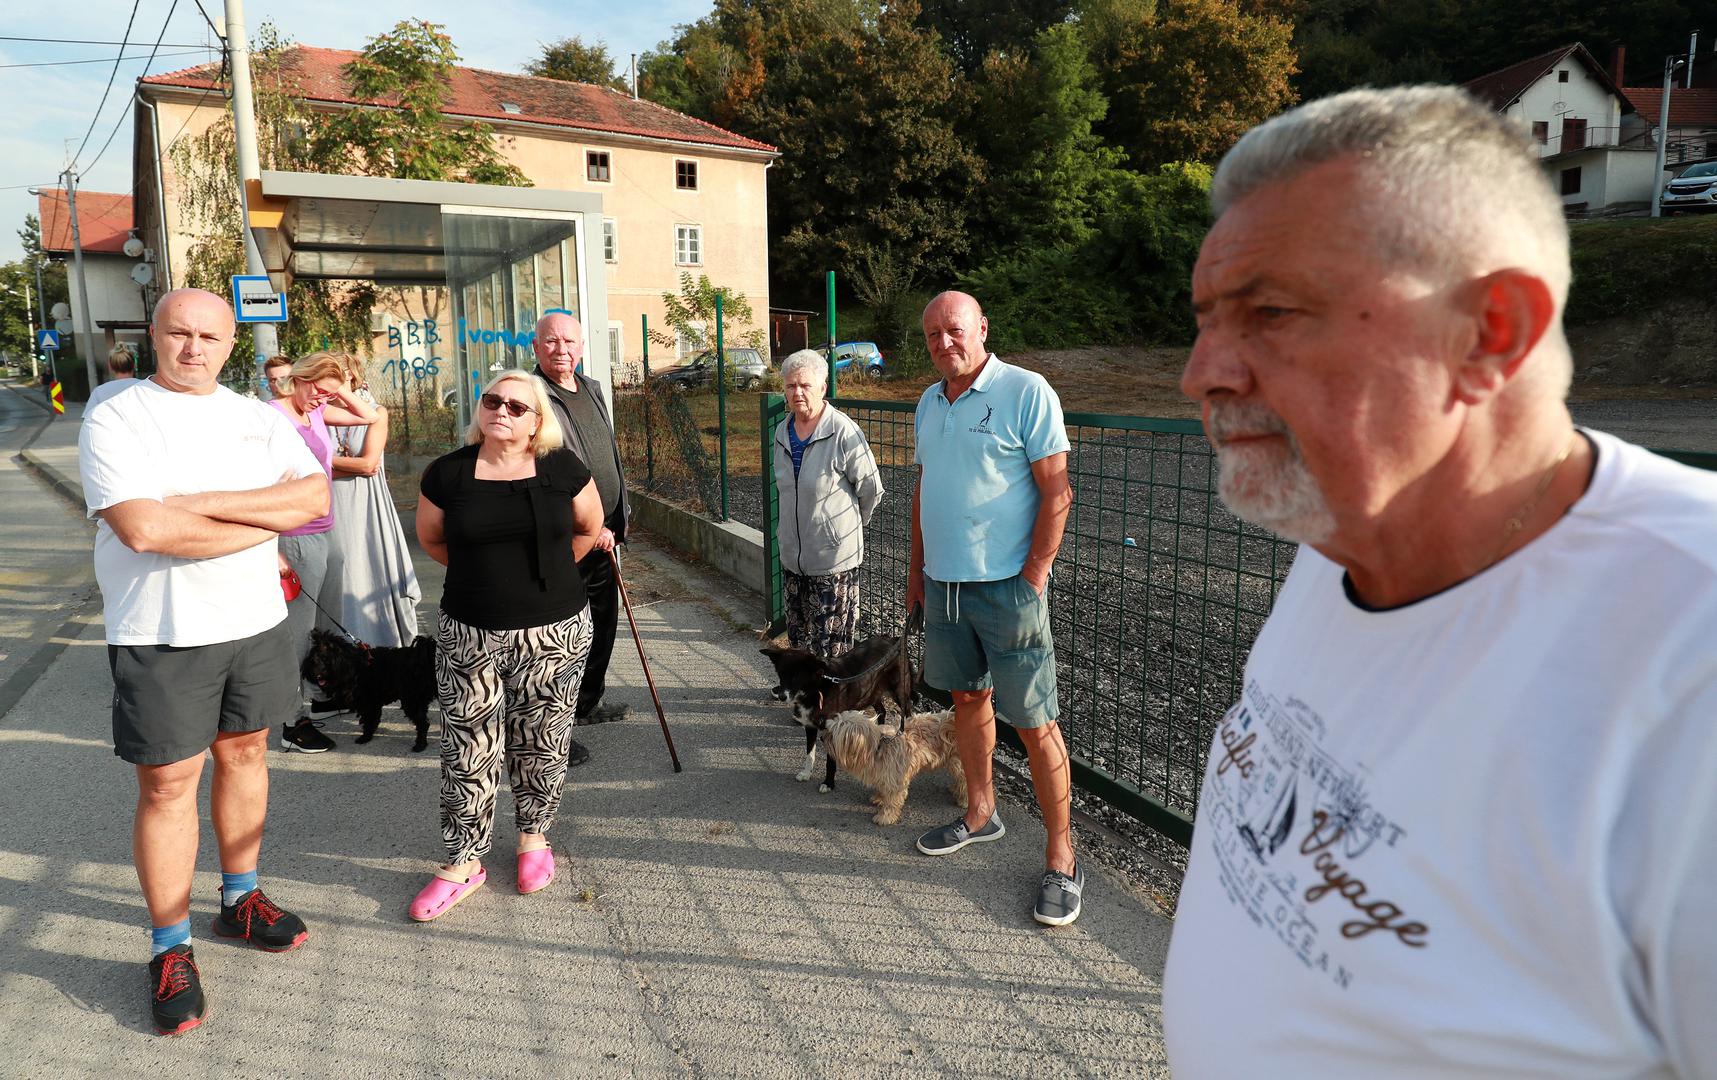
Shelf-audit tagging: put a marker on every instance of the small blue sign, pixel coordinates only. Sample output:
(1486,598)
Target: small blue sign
(47,339)
(254,299)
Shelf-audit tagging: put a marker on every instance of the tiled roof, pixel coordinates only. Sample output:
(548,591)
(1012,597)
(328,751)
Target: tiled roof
(104,221)
(319,76)
(1687,108)
(1502,88)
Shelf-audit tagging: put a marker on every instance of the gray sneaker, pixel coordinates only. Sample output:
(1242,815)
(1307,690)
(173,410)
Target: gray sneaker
(1058,897)
(605,713)
(951,838)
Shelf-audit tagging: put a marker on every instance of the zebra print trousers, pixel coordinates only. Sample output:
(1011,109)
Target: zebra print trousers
(504,688)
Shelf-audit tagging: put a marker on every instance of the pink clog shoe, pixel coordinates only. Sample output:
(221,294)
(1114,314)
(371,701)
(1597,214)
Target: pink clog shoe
(443,891)
(536,869)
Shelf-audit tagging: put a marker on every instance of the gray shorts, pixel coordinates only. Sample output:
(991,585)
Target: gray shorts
(170,702)
(980,635)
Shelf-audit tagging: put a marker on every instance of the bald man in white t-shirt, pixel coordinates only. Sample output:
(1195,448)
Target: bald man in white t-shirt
(191,485)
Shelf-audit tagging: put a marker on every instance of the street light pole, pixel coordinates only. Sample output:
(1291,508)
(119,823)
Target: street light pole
(263,335)
(1670,63)
(30,320)
(87,344)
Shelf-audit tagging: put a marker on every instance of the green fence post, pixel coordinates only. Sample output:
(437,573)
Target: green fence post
(771,408)
(829,298)
(721,402)
(649,443)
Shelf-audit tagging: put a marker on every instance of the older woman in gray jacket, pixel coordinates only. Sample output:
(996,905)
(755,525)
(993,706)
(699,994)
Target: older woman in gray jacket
(829,484)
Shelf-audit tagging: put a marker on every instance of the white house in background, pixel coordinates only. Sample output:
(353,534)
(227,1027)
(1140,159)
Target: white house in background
(1594,146)
(115,298)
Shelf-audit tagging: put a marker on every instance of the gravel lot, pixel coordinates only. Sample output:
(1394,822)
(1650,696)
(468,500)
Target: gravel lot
(1157,594)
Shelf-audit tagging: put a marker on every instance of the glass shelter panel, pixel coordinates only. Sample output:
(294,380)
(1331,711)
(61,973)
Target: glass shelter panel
(506,268)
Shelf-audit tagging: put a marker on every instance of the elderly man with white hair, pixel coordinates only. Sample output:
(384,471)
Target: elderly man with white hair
(1461,821)
(579,405)
(829,484)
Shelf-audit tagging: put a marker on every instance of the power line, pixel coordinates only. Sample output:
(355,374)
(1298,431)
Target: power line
(124,41)
(126,111)
(88,41)
(100,59)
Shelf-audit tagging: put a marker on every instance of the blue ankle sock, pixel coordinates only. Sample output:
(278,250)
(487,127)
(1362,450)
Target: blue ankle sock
(162,938)
(235,887)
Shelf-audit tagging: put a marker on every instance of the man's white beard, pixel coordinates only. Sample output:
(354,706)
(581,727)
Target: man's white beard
(1267,484)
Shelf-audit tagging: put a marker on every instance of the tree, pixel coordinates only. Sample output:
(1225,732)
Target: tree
(691,316)
(571,60)
(973,30)
(409,71)
(1035,118)
(1186,79)
(865,107)
(409,137)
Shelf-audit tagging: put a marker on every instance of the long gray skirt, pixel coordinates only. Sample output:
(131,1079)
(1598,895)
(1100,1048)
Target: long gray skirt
(380,597)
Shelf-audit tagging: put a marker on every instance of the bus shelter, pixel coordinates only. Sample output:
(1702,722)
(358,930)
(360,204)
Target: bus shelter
(495,258)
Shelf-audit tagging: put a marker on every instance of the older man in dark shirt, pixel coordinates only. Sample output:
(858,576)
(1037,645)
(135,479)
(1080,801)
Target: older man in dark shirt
(583,414)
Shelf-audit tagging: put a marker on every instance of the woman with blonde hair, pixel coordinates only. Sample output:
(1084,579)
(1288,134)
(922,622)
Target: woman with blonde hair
(509,515)
(380,592)
(317,396)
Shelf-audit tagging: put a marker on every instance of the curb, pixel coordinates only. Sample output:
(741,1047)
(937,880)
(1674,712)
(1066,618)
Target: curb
(70,490)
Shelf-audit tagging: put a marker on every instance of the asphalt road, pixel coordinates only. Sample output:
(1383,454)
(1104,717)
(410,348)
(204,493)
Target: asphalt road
(45,572)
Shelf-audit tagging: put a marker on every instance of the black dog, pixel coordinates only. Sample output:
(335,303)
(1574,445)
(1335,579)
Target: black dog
(363,678)
(876,671)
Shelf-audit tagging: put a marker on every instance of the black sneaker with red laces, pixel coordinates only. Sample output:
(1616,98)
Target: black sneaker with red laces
(261,922)
(176,991)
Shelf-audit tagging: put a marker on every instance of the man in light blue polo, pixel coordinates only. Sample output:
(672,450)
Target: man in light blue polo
(987,519)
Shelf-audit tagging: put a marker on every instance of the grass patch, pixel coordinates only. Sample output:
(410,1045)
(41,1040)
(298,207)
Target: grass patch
(1632,265)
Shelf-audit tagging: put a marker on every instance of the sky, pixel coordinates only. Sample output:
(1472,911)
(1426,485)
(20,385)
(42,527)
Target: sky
(48,109)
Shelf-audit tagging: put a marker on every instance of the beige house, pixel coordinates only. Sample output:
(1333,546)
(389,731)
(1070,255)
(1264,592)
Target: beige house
(677,194)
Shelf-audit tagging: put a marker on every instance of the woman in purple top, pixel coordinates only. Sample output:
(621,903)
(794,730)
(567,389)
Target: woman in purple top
(318,396)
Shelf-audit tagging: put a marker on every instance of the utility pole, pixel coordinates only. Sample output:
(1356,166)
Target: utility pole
(86,344)
(263,335)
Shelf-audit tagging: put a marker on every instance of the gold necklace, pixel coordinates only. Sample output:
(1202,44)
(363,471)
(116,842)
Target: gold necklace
(1517,522)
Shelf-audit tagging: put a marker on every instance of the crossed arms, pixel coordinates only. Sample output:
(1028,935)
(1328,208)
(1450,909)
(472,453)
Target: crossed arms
(214,523)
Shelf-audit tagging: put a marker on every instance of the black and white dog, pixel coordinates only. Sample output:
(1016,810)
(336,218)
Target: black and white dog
(364,678)
(877,671)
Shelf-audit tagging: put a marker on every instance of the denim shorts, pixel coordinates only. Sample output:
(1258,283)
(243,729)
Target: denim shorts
(982,635)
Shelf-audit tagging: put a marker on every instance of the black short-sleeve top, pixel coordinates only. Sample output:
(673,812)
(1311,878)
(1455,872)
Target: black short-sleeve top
(509,542)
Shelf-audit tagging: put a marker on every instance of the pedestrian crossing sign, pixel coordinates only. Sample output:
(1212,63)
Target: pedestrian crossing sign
(47,339)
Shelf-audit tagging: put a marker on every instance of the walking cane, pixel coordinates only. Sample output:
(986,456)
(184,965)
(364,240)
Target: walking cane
(614,559)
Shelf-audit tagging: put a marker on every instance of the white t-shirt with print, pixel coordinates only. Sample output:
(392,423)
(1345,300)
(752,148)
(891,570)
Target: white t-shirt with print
(1475,836)
(149,443)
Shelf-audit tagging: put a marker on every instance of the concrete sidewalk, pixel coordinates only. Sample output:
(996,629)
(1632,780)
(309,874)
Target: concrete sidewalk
(725,921)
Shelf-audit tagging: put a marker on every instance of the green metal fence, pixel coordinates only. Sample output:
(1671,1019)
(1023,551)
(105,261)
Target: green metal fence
(1156,597)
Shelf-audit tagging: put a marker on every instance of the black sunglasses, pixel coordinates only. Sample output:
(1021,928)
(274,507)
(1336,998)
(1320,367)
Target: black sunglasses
(497,402)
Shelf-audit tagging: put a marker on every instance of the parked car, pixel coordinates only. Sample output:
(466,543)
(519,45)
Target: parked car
(1694,189)
(746,369)
(864,354)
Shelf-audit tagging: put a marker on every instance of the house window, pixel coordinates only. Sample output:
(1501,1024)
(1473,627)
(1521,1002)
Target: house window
(1573,134)
(616,344)
(596,166)
(1541,131)
(686,175)
(1571,181)
(688,245)
(610,240)
(689,339)
(1561,76)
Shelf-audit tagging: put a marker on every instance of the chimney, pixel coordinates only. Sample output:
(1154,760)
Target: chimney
(1618,63)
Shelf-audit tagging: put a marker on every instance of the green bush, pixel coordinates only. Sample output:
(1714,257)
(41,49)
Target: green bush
(1633,264)
(1131,280)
